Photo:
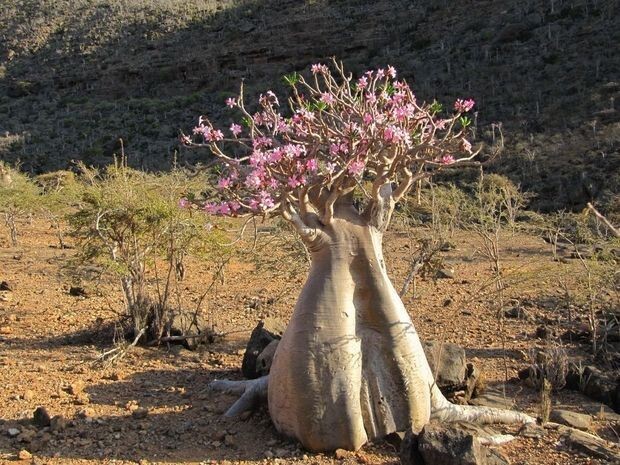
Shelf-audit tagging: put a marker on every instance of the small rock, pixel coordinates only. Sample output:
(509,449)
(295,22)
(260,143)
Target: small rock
(448,364)
(568,418)
(85,413)
(12,432)
(75,387)
(140,413)
(28,395)
(82,398)
(445,273)
(341,454)
(268,454)
(6,330)
(41,417)
(229,440)
(516,312)
(58,423)
(26,436)
(280,452)
(542,332)
(532,431)
(24,455)
(4,286)
(77,291)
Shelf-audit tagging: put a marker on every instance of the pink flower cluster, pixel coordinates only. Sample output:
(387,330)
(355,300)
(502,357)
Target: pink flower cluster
(463,106)
(336,132)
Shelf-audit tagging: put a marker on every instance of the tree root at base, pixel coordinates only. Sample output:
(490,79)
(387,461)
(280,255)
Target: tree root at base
(253,392)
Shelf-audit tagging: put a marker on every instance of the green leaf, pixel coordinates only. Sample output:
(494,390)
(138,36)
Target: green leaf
(291,79)
(465,121)
(435,107)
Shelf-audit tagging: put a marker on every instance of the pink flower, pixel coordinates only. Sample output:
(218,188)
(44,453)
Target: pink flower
(293,182)
(356,168)
(388,134)
(371,97)
(328,98)
(211,207)
(223,183)
(231,102)
(214,135)
(466,145)
(234,205)
(183,202)
(235,129)
(362,82)
(391,71)
(380,73)
(447,160)
(224,209)
(265,200)
(368,118)
(330,167)
(318,68)
(463,106)
(283,127)
(312,165)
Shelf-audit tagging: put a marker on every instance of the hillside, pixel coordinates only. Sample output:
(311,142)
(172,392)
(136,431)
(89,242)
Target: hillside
(77,75)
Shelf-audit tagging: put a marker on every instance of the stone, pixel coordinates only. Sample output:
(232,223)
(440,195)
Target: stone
(341,454)
(442,443)
(77,291)
(85,413)
(267,331)
(493,398)
(516,312)
(76,387)
(58,424)
(264,359)
(532,431)
(601,412)
(4,286)
(573,419)
(188,323)
(140,413)
(229,440)
(445,273)
(591,445)
(41,417)
(26,435)
(28,395)
(448,364)
(13,432)
(24,455)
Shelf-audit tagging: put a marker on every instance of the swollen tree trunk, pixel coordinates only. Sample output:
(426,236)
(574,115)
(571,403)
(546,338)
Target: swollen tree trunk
(350,366)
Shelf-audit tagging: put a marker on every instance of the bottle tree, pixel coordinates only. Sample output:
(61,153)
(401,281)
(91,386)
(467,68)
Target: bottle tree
(350,366)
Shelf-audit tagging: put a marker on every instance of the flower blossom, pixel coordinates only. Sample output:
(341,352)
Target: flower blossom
(328,98)
(183,202)
(463,106)
(235,129)
(318,68)
(447,160)
(391,71)
(356,168)
(231,102)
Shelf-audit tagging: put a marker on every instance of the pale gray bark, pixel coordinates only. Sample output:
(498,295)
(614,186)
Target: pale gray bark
(350,366)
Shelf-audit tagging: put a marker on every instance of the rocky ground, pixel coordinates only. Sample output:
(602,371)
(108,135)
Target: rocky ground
(153,406)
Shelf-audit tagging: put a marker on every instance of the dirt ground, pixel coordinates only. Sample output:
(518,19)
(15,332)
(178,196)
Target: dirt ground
(154,405)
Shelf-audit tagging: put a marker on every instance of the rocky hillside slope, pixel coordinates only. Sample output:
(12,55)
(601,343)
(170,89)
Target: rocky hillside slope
(77,75)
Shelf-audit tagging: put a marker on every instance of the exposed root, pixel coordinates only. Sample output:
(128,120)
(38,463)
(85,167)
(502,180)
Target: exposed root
(252,391)
(444,410)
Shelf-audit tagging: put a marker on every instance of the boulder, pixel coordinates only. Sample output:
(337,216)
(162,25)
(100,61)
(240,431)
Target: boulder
(448,364)
(267,331)
(572,419)
(448,444)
